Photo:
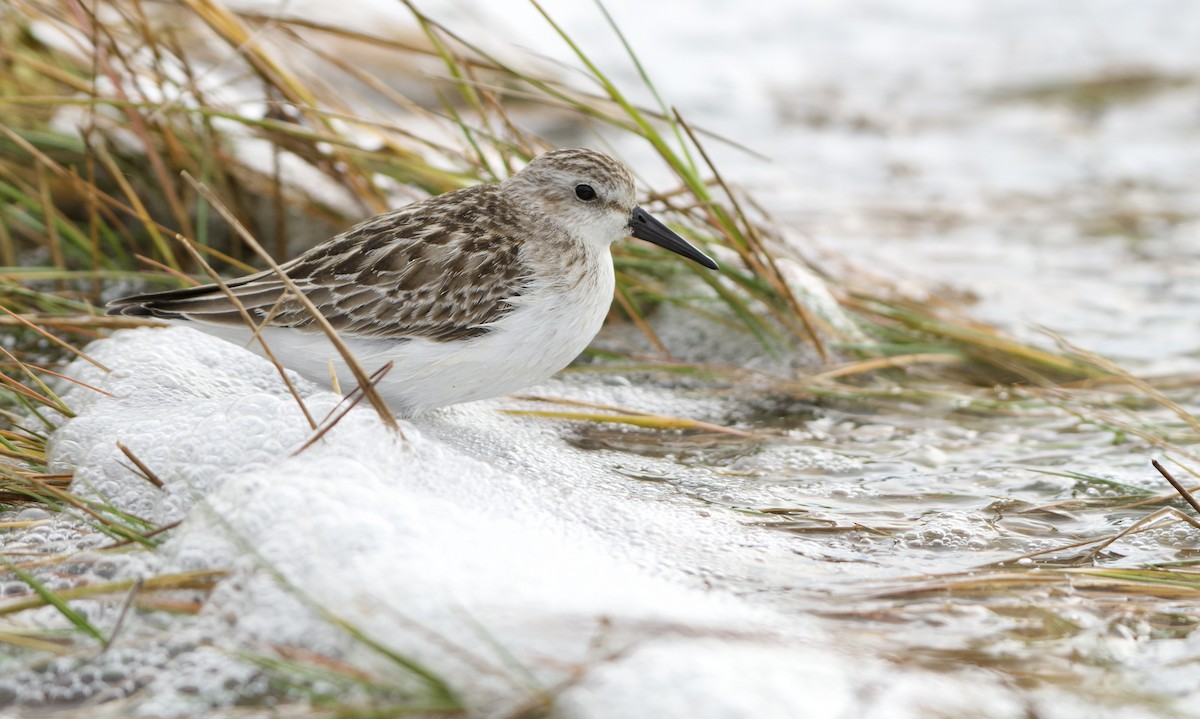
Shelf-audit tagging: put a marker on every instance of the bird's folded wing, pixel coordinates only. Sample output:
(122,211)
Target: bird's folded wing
(368,282)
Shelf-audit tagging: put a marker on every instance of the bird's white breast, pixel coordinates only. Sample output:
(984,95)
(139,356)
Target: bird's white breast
(550,324)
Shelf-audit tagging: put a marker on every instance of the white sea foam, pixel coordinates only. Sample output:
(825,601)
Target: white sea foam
(480,545)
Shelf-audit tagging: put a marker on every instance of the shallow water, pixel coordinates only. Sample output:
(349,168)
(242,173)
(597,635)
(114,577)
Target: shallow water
(1040,156)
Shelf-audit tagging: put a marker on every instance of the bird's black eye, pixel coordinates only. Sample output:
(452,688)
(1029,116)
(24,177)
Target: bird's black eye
(585,192)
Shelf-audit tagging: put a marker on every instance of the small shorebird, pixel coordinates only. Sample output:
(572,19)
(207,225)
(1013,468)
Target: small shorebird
(472,294)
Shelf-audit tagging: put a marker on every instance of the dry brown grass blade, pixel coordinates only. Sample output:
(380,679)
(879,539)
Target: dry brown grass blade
(1183,491)
(621,415)
(106,202)
(31,368)
(91,26)
(168,269)
(636,317)
(1126,584)
(759,253)
(18,388)
(147,473)
(872,365)
(360,375)
(1138,383)
(61,647)
(1142,525)
(1095,415)
(50,220)
(60,481)
(8,251)
(348,403)
(203,580)
(105,322)
(118,625)
(231,27)
(145,535)
(65,345)
(66,497)
(135,202)
(270,354)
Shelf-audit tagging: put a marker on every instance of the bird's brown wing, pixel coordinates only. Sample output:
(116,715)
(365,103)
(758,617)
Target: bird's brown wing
(442,269)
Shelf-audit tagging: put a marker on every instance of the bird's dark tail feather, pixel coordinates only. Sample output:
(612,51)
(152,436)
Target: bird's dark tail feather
(165,305)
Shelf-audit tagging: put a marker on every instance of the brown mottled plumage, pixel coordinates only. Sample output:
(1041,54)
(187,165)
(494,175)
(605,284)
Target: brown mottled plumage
(438,269)
(469,294)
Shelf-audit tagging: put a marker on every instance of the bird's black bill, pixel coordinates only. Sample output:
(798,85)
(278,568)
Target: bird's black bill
(643,226)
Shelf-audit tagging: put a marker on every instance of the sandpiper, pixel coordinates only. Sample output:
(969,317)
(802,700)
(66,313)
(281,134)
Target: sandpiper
(472,294)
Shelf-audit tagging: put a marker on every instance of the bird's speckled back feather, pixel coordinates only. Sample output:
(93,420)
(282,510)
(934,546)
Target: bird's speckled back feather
(470,294)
